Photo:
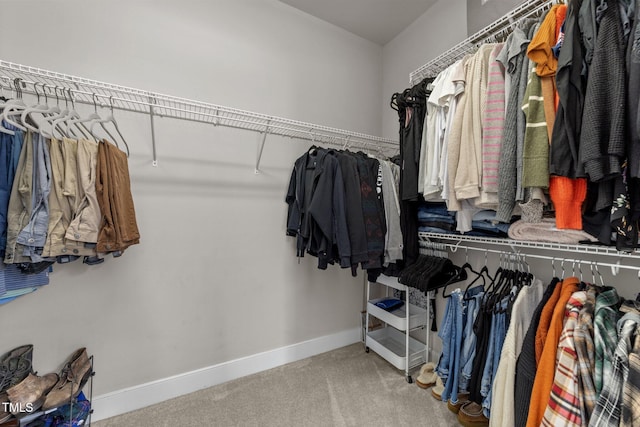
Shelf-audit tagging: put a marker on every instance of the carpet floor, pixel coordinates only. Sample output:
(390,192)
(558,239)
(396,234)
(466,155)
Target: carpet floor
(344,387)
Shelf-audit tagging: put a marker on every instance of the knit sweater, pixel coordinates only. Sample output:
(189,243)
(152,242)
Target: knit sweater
(507,172)
(603,125)
(546,368)
(535,170)
(526,364)
(493,122)
(521,121)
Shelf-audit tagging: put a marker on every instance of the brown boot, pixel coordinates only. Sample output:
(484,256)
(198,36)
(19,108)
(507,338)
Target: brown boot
(5,415)
(15,365)
(28,396)
(74,375)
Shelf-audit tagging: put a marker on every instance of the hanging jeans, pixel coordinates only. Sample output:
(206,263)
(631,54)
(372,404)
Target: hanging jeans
(451,334)
(10,147)
(33,236)
(496,340)
(468,351)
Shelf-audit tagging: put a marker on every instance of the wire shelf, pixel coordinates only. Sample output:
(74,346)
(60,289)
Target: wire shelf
(488,34)
(459,239)
(56,85)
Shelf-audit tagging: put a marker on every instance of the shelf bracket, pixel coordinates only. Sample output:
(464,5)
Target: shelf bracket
(152,102)
(261,148)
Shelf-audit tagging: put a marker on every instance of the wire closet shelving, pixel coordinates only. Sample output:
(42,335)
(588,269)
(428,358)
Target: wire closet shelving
(86,91)
(498,30)
(495,31)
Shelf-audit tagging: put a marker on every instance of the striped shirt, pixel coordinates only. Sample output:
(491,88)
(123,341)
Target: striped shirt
(563,408)
(608,409)
(493,122)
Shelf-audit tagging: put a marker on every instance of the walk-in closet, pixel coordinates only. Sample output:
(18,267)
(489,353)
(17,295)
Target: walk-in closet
(287,212)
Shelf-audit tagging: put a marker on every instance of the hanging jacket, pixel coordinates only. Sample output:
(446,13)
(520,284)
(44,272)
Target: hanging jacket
(565,139)
(602,147)
(316,214)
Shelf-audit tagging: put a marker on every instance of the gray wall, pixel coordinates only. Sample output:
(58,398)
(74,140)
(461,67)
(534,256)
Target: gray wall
(214,278)
(438,29)
(481,13)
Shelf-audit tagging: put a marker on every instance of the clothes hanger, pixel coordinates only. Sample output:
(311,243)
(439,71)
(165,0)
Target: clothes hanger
(111,119)
(74,121)
(5,99)
(14,107)
(64,115)
(90,118)
(43,109)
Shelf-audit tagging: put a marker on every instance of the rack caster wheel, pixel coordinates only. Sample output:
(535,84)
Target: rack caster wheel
(409,379)
(366,349)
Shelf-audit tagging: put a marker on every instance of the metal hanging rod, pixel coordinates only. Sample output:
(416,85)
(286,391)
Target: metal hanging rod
(108,95)
(519,256)
(462,240)
(501,26)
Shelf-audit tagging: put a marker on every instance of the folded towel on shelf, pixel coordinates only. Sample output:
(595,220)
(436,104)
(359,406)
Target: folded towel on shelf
(546,231)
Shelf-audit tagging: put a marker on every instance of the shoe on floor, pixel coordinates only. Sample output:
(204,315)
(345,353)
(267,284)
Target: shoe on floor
(427,367)
(426,380)
(438,389)
(455,407)
(471,415)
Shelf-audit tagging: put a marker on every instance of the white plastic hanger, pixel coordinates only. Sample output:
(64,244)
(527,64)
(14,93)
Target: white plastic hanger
(111,119)
(14,107)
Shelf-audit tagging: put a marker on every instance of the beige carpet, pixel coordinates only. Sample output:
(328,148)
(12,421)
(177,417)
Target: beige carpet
(344,387)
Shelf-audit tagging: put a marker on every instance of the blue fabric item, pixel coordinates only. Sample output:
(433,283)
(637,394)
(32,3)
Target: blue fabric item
(451,385)
(435,212)
(389,303)
(427,229)
(13,295)
(446,329)
(12,279)
(498,333)
(10,147)
(469,338)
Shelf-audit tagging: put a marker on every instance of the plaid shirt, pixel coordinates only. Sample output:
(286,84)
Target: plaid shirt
(631,388)
(605,336)
(585,350)
(563,408)
(609,407)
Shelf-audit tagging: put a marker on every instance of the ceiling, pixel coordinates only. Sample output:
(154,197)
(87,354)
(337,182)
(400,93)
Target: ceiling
(376,20)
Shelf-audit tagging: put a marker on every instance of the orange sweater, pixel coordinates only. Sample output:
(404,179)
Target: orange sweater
(539,51)
(545,320)
(547,366)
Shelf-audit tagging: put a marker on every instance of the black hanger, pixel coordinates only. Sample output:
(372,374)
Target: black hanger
(483,271)
(462,275)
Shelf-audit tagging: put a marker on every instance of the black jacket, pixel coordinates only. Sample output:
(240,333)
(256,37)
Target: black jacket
(563,155)
(317,214)
(602,148)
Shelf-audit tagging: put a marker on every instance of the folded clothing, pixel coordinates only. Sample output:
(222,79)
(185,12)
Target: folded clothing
(389,304)
(546,231)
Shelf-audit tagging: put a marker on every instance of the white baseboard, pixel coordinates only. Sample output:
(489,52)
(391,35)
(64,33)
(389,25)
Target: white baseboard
(136,397)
